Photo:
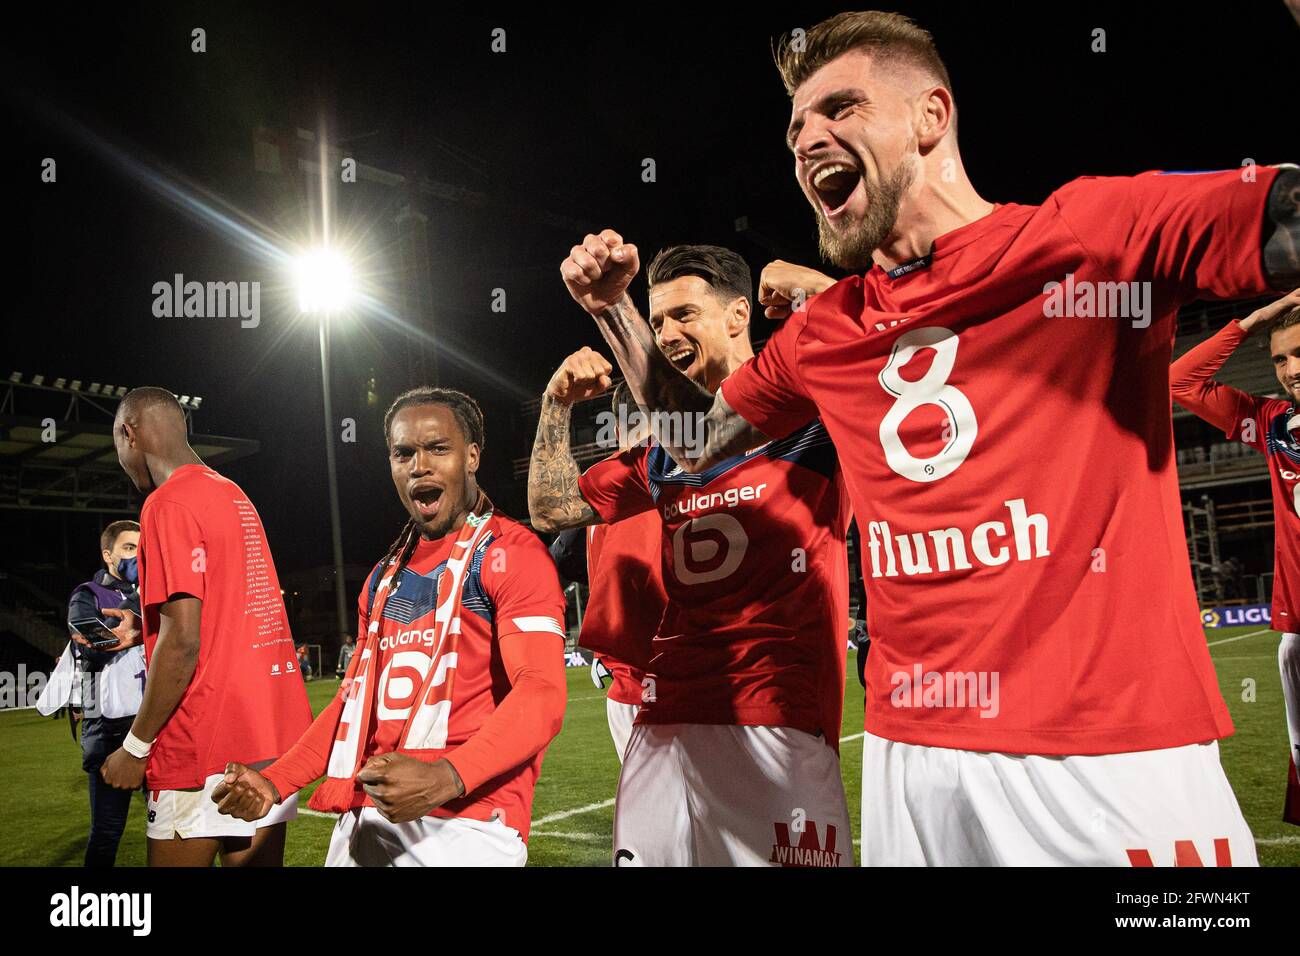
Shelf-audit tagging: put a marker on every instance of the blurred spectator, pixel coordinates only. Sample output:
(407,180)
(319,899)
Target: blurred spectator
(345,656)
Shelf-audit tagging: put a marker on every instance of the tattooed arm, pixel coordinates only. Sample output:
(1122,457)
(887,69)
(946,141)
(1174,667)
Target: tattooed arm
(659,387)
(554,500)
(1282,230)
(598,273)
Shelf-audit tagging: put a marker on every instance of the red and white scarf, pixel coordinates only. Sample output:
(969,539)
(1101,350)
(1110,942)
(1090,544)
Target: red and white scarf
(426,725)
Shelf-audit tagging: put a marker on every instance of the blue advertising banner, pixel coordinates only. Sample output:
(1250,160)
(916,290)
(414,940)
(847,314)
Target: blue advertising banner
(1241,615)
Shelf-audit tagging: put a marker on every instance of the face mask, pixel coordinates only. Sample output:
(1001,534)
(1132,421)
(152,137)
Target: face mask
(128,570)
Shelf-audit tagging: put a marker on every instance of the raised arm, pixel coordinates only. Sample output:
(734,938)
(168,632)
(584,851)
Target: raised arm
(1191,377)
(597,274)
(554,501)
(1282,231)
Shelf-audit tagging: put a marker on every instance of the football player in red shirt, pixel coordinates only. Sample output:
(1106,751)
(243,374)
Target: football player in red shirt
(1010,583)
(1267,425)
(222,684)
(432,748)
(733,759)
(625,597)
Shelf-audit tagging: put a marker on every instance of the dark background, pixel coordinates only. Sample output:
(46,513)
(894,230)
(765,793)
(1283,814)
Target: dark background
(553,132)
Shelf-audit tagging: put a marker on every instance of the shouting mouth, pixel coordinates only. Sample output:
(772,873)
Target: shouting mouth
(427,500)
(682,358)
(834,184)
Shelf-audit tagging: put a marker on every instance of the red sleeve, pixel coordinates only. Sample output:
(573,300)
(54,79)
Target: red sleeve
(1191,380)
(175,555)
(767,391)
(1197,235)
(618,487)
(520,577)
(306,761)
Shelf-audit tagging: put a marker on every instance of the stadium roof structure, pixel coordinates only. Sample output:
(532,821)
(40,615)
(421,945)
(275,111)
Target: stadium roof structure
(56,447)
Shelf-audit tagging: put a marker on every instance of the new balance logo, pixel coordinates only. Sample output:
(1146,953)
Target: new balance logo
(808,852)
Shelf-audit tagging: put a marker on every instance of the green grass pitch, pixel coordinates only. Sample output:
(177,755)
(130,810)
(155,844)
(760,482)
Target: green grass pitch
(44,811)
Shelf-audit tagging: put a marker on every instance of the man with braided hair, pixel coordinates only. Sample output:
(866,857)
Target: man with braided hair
(432,748)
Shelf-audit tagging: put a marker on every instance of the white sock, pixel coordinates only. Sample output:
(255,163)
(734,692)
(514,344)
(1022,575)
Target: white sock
(1288,661)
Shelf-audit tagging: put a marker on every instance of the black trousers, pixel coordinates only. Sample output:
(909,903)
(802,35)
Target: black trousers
(109,807)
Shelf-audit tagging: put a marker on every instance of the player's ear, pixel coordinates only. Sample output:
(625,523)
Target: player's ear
(935,117)
(471,458)
(738,316)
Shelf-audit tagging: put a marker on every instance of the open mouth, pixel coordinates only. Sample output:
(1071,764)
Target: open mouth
(833,185)
(682,358)
(427,500)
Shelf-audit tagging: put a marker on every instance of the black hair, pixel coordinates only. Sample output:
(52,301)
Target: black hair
(726,272)
(470,419)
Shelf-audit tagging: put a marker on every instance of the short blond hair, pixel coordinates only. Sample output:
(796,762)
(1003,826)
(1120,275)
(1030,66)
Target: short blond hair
(885,35)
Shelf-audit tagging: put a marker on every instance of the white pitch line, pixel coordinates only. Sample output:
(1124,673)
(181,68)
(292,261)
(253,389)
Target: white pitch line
(845,740)
(1239,637)
(565,814)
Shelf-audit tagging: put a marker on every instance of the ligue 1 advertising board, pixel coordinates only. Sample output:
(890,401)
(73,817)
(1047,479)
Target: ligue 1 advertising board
(1241,615)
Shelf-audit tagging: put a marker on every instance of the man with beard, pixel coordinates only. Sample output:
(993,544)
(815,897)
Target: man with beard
(1008,586)
(432,748)
(219,686)
(734,756)
(1268,425)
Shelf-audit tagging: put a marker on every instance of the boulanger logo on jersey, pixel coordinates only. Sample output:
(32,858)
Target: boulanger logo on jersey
(1239,616)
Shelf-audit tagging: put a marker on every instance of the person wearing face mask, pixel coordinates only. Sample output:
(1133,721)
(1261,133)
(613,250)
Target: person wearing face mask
(112,682)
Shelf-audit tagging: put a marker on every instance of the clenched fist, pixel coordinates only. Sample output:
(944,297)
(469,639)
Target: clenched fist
(244,794)
(785,287)
(584,374)
(599,271)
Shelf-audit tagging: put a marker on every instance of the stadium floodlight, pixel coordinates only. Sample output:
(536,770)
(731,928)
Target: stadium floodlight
(60,382)
(121,391)
(94,388)
(76,385)
(324,281)
(325,288)
(38,379)
(16,377)
(195,401)
(185,401)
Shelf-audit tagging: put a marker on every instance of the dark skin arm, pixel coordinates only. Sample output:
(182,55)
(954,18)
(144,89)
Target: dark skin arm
(1282,231)
(597,274)
(171,668)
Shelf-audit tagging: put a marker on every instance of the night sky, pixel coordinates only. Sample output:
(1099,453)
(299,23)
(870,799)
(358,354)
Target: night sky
(553,132)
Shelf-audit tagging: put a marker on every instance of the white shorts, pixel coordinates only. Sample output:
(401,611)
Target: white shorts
(724,795)
(191,813)
(936,806)
(364,838)
(620,718)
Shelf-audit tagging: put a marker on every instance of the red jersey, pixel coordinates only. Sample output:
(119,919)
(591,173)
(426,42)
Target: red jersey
(626,600)
(510,588)
(754,565)
(1266,425)
(1002,411)
(200,536)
